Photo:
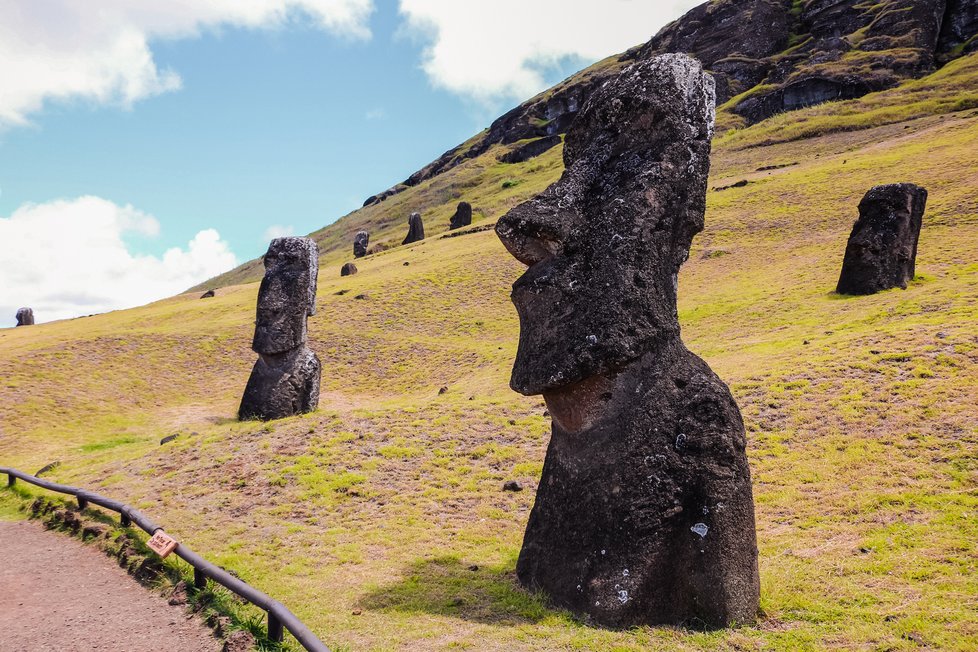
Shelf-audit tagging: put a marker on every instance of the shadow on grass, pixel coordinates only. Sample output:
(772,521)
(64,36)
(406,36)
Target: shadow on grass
(445,586)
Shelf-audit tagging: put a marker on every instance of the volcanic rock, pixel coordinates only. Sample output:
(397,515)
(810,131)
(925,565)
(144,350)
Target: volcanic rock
(882,249)
(644,513)
(462,216)
(360,242)
(415,229)
(348,269)
(530,150)
(285,379)
(210,294)
(25,317)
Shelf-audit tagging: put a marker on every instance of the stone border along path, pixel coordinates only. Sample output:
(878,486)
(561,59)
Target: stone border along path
(58,594)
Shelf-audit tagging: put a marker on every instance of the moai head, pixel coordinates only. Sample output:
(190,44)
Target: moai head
(287,296)
(360,242)
(462,216)
(604,244)
(25,317)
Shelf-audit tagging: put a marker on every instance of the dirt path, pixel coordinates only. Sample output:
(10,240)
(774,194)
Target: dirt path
(59,594)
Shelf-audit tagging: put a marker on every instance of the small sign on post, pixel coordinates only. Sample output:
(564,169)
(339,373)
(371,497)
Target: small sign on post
(162,543)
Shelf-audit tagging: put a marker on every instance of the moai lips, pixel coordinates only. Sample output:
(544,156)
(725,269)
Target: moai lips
(882,249)
(644,513)
(285,379)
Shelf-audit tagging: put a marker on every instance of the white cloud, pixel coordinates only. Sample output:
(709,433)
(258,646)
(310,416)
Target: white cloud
(278,231)
(375,114)
(489,51)
(67,258)
(98,50)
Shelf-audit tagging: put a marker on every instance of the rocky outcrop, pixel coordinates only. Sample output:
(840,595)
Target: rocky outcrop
(644,513)
(415,229)
(462,216)
(25,317)
(959,29)
(285,379)
(348,269)
(530,150)
(882,250)
(210,294)
(360,242)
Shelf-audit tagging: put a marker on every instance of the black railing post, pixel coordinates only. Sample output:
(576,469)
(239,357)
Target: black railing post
(82,502)
(200,580)
(11,479)
(274,628)
(124,519)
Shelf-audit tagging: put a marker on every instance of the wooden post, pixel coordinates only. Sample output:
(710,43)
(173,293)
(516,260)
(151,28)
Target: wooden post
(275,632)
(11,479)
(200,580)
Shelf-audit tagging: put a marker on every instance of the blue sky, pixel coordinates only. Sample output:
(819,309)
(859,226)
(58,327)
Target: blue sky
(184,140)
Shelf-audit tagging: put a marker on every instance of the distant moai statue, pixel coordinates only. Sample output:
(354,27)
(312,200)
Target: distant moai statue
(415,229)
(25,317)
(882,249)
(285,379)
(360,242)
(348,269)
(462,216)
(644,514)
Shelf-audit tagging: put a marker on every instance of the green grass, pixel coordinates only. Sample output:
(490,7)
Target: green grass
(367,517)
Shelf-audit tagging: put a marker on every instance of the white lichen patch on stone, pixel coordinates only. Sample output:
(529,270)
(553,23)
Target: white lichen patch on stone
(700,529)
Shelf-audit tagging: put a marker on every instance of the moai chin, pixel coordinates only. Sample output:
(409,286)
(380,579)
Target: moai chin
(882,249)
(415,229)
(360,242)
(644,513)
(285,379)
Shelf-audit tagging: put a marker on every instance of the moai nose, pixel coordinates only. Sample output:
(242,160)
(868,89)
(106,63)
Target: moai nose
(532,232)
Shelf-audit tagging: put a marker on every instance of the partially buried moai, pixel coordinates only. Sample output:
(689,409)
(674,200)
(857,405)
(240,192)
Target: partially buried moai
(644,513)
(882,249)
(415,229)
(25,317)
(285,379)
(462,216)
(360,242)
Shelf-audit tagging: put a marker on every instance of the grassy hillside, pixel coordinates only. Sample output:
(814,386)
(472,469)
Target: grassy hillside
(380,519)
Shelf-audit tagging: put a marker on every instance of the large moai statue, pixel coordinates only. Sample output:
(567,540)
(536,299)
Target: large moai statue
(644,513)
(360,242)
(882,249)
(462,216)
(415,229)
(25,317)
(285,379)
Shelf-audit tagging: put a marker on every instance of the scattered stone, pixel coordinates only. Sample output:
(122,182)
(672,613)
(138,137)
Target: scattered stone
(882,250)
(415,229)
(348,269)
(530,150)
(462,216)
(629,529)
(168,439)
(47,468)
(709,254)
(357,612)
(406,263)
(239,641)
(340,293)
(178,596)
(779,166)
(210,294)
(285,379)
(360,242)
(512,485)
(362,297)
(443,390)
(25,317)
(740,184)
(93,531)
(474,567)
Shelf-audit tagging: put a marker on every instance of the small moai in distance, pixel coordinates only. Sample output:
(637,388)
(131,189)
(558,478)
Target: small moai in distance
(882,249)
(285,379)
(360,242)
(462,216)
(25,317)
(644,514)
(415,229)
(348,269)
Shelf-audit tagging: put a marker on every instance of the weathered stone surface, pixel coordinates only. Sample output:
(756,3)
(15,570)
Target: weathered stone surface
(531,149)
(644,512)
(415,229)
(210,294)
(959,29)
(462,216)
(285,379)
(25,317)
(360,242)
(348,269)
(882,250)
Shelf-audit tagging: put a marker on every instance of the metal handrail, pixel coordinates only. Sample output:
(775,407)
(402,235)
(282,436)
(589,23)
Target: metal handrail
(278,615)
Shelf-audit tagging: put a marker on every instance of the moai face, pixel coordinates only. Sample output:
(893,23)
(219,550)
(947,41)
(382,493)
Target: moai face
(287,295)
(360,242)
(604,244)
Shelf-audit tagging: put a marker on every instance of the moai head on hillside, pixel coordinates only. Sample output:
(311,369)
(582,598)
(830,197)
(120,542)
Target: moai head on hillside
(604,244)
(25,317)
(415,229)
(882,249)
(462,216)
(287,295)
(360,242)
